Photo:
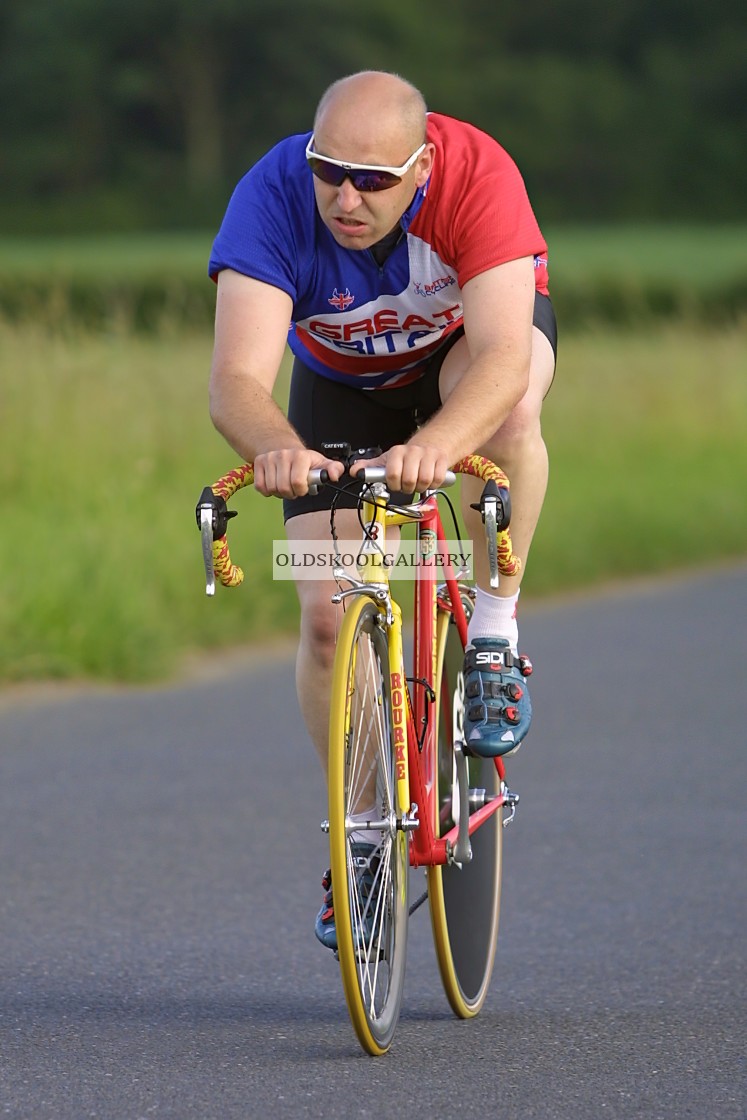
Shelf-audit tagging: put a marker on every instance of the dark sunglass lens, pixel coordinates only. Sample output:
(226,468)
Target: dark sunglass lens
(327,172)
(362,180)
(373,180)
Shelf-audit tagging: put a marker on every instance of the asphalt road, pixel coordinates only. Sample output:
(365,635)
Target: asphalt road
(159,877)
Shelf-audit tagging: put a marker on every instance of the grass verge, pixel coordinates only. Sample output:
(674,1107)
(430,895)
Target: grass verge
(625,276)
(107,445)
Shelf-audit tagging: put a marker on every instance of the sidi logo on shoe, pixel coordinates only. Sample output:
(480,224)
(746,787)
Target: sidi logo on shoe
(488,657)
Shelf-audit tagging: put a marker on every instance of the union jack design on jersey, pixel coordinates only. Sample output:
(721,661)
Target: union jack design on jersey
(472,215)
(341,300)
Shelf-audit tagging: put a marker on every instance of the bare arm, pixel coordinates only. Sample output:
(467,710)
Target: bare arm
(498,309)
(251,330)
(251,327)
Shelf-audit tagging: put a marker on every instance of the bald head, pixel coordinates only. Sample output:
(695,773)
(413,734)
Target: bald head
(377,112)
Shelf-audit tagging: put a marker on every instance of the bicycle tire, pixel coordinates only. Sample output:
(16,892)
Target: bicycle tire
(464,902)
(371,926)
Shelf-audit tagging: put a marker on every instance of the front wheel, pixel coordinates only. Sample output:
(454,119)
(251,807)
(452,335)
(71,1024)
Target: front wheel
(368,849)
(464,902)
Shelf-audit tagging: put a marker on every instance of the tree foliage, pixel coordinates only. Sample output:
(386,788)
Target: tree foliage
(146,113)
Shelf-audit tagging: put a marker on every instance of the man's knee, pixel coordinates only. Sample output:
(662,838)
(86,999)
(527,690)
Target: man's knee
(521,430)
(523,426)
(319,627)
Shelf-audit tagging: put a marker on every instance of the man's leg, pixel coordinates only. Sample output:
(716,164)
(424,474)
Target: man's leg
(519,449)
(321,620)
(320,623)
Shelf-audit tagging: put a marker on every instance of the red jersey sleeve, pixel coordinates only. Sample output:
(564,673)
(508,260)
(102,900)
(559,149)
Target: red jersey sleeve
(477,213)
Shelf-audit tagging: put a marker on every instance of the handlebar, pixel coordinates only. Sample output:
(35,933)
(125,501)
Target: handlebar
(213,515)
(319,477)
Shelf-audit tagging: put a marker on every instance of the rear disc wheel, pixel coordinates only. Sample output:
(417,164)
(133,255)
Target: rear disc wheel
(464,902)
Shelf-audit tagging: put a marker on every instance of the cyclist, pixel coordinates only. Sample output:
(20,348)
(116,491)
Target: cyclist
(402,249)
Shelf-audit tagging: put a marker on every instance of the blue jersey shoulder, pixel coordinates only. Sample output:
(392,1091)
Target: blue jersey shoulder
(268,228)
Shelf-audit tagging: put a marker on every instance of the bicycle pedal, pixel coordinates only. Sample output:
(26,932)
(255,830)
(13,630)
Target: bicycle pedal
(362,958)
(361,955)
(510,801)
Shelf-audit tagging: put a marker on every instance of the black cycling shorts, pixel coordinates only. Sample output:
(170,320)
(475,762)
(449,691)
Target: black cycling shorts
(325,411)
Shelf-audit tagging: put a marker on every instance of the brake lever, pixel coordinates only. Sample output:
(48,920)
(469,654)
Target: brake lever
(495,509)
(212,516)
(490,517)
(206,534)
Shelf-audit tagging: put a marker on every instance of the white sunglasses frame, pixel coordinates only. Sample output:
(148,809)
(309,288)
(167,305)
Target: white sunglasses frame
(398,171)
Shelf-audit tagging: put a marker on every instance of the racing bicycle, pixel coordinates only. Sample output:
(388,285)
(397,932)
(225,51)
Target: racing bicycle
(400,776)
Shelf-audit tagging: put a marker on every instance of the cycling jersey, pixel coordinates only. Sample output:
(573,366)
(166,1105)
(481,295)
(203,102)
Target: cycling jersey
(359,322)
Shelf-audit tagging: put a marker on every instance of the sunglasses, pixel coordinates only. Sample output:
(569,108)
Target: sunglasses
(364,177)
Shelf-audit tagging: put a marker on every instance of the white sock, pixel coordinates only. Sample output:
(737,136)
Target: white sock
(495,617)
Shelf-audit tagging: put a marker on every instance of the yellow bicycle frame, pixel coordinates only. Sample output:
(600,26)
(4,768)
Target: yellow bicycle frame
(376,520)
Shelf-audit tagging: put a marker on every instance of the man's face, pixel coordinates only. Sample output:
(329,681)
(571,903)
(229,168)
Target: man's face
(358,219)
